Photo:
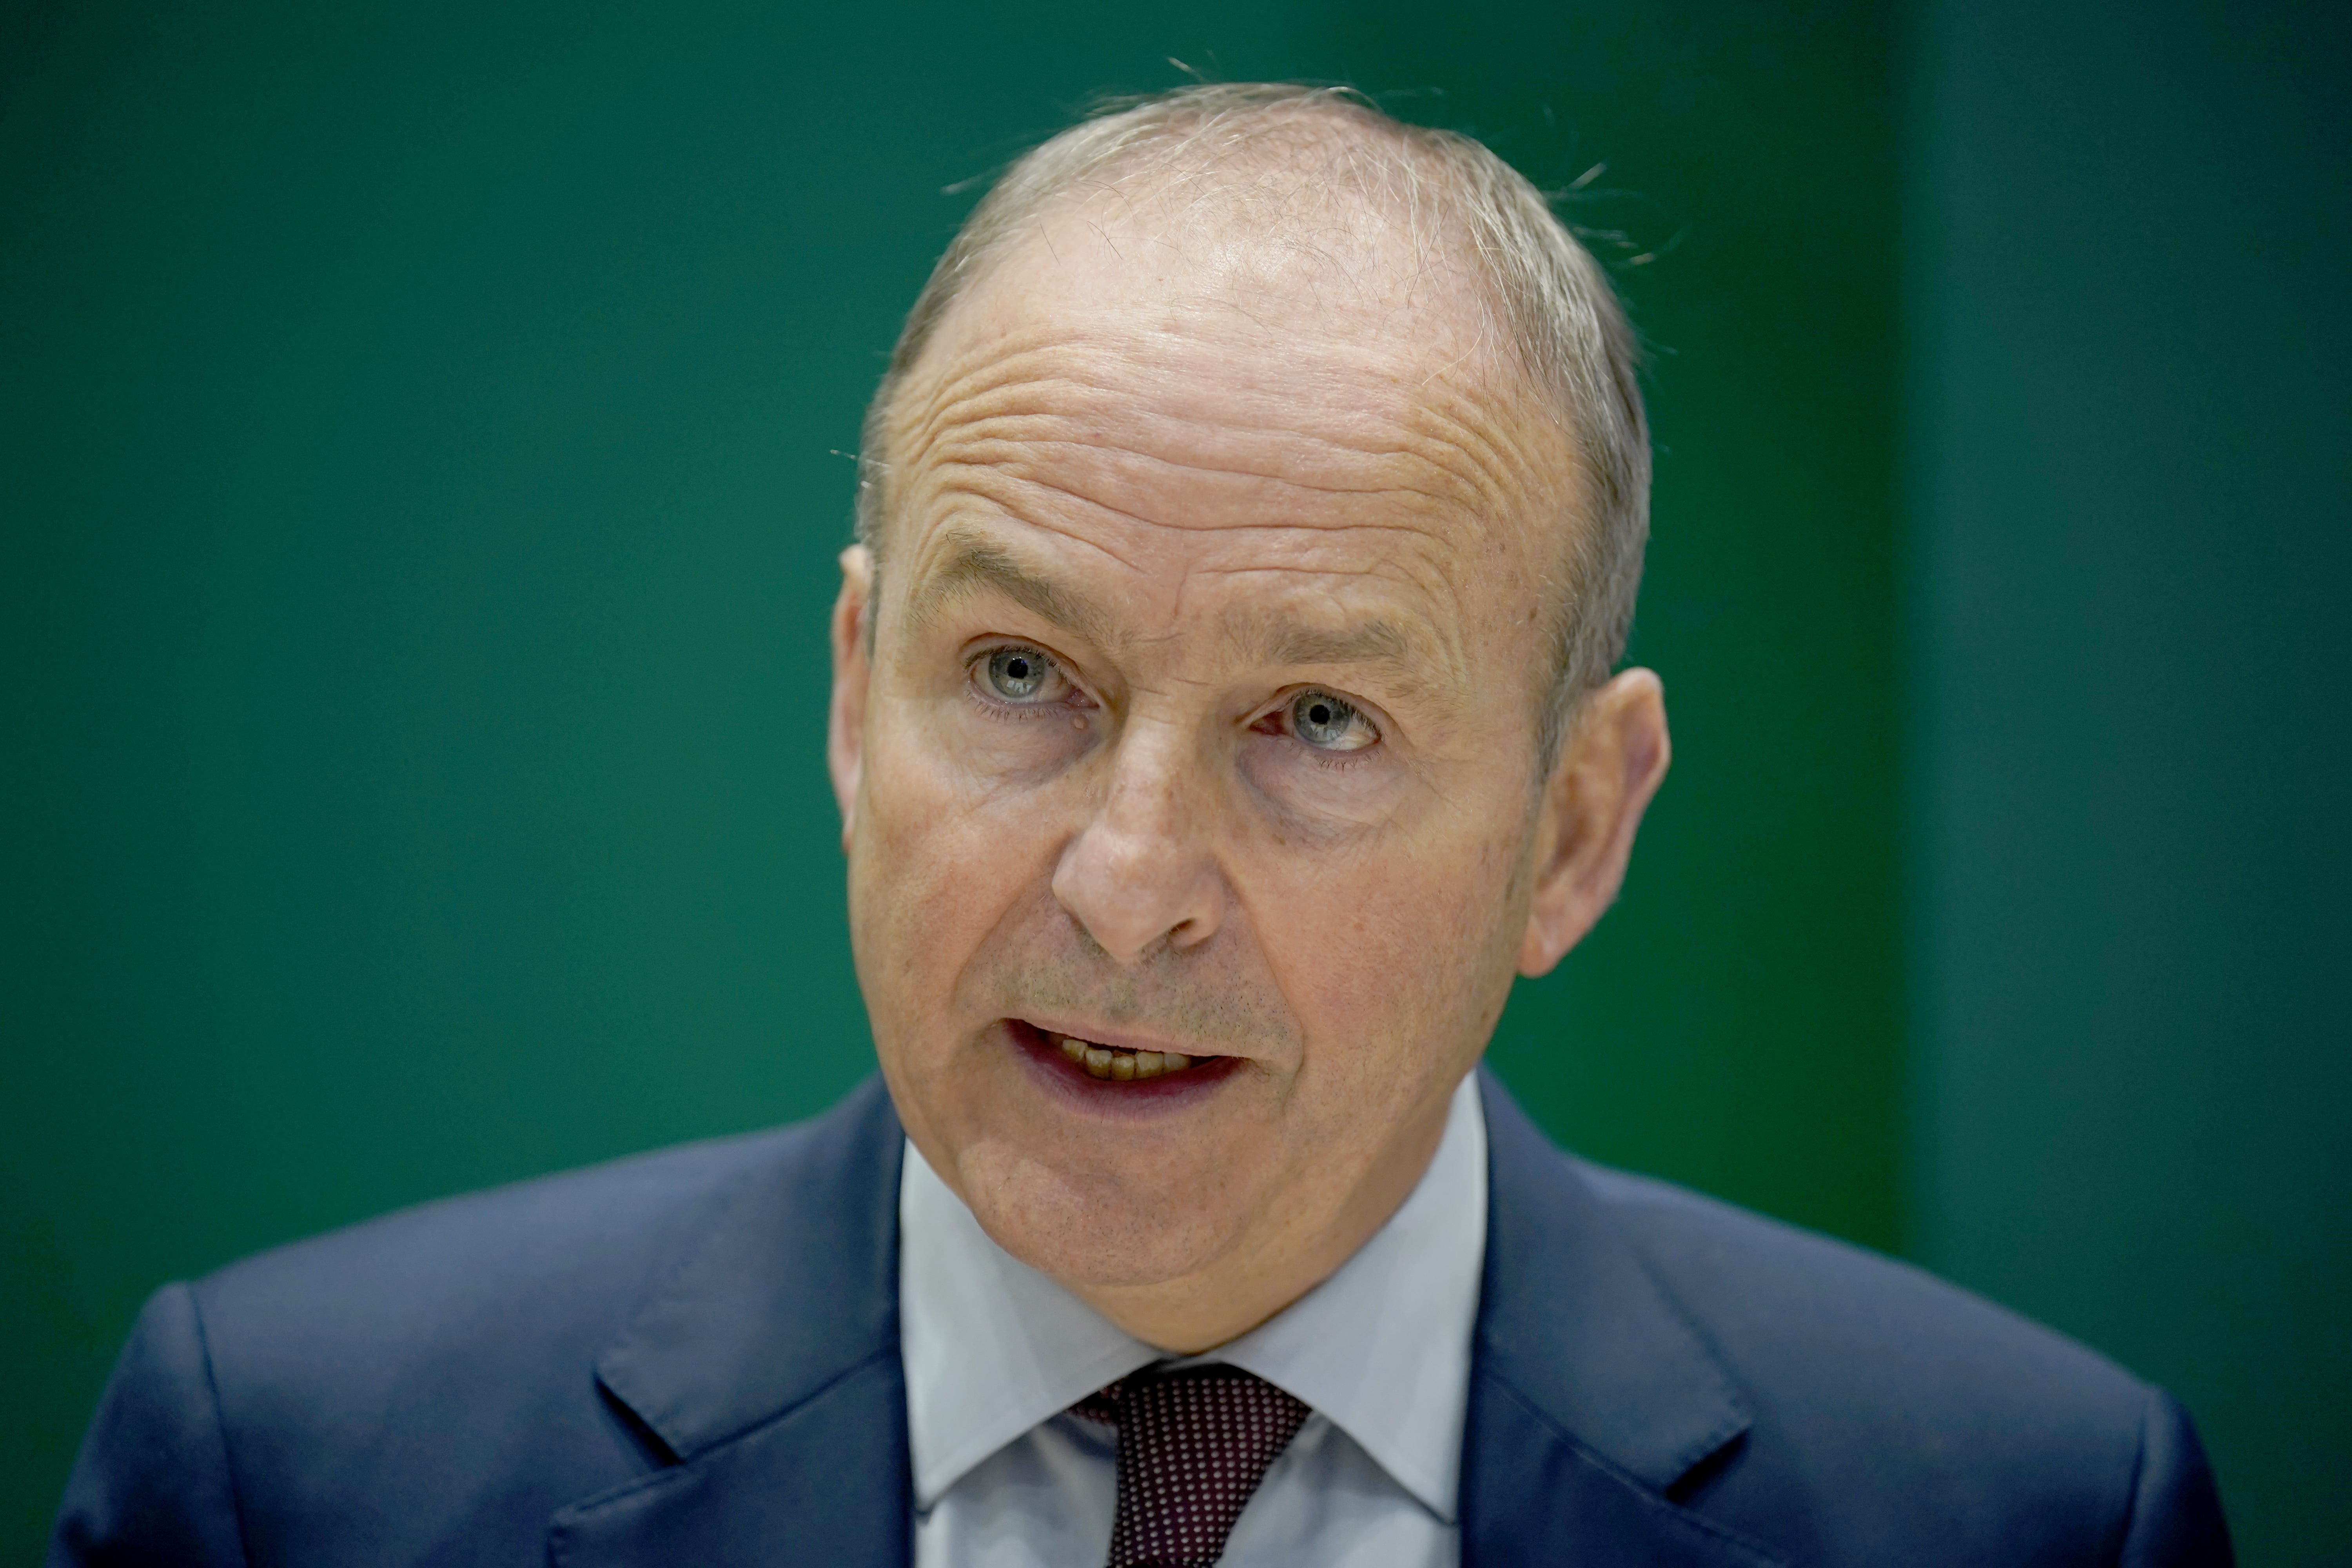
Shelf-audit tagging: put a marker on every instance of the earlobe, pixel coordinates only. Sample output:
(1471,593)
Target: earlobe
(846,718)
(1610,766)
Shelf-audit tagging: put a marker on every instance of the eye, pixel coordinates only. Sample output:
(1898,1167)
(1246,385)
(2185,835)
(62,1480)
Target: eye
(1018,675)
(1330,723)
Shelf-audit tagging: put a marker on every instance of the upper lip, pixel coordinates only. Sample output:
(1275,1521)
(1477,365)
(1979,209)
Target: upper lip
(1119,1039)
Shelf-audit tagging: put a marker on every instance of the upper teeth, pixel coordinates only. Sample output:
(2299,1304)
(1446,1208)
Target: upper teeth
(1104,1062)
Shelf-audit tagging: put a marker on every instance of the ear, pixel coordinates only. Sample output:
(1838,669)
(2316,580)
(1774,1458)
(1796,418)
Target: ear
(845,741)
(1610,766)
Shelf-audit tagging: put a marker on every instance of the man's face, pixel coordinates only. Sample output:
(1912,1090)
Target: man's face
(1199,719)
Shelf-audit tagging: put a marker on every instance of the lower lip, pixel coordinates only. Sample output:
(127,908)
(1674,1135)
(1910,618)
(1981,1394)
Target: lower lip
(1168,1091)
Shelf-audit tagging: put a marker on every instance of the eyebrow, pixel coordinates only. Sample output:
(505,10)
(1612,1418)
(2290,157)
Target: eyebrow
(973,563)
(1276,640)
(1387,646)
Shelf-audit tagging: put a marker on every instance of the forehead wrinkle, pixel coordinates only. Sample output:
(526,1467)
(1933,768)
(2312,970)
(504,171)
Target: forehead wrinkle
(1012,357)
(918,423)
(1493,442)
(1037,399)
(1507,454)
(1297,546)
(993,485)
(1075,382)
(1030,460)
(1033,488)
(1063,453)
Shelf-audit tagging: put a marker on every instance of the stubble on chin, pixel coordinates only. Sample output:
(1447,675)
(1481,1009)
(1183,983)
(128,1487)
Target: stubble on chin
(1108,1228)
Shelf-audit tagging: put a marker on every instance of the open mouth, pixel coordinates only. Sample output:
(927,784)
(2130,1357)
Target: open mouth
(1106,1061)
(1110,1063)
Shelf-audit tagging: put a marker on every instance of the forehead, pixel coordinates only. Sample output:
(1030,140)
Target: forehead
(1314,414)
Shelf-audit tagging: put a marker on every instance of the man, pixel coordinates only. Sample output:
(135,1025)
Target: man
(1223,714)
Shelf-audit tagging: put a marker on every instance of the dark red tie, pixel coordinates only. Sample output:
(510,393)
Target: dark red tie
(1193,1447)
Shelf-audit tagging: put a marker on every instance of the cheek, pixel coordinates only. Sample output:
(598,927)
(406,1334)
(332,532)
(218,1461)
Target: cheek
(994,755)
(939,854)
(1398,962)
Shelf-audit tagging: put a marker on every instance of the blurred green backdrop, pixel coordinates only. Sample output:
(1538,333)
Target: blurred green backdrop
(421,459)
(2129,706)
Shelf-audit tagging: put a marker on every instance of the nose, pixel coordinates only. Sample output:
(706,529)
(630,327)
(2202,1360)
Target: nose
(1142,870)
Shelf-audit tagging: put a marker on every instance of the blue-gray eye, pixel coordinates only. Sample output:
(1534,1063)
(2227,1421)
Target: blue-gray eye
(1018,674)
(1329,724)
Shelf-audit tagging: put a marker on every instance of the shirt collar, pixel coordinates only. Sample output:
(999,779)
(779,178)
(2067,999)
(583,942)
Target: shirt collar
(1381,1347)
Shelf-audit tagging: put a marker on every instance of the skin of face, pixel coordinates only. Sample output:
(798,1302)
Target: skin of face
(1152,484)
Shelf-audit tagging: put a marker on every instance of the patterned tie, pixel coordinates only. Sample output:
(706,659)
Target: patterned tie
(1193,1447)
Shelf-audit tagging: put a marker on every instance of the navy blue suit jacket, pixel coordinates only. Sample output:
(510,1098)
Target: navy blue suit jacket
(692,1357)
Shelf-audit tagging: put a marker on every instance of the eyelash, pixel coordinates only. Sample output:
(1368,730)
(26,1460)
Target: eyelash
(1337,762)
(1019,712)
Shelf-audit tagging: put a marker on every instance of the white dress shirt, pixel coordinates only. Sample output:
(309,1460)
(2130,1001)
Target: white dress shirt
(996,1352)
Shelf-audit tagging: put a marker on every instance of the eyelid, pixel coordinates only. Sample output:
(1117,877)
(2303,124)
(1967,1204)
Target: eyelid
(1285,705)
(978,655)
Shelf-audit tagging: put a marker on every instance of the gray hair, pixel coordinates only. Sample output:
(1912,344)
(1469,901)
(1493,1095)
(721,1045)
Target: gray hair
(1555,307)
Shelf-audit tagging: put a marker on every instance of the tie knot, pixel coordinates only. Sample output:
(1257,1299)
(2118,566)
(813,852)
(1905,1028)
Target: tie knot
(1193,1447)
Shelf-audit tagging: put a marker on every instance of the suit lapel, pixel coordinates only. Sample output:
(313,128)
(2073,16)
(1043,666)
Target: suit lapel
(767,1364)
(1591,1395)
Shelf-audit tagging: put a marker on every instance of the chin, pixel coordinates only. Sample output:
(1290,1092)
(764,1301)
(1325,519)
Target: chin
(1095,1231)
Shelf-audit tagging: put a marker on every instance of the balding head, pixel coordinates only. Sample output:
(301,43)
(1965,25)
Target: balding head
(1329,218)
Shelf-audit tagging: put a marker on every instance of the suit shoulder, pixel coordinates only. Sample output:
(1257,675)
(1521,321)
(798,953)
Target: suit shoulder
(433,1376)
(616,1220)
(1892,1410)
(1839,1406)
(1788,1305)
(496,1302)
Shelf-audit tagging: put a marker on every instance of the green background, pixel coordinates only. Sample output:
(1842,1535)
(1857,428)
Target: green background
(2129,707)
(421,435)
